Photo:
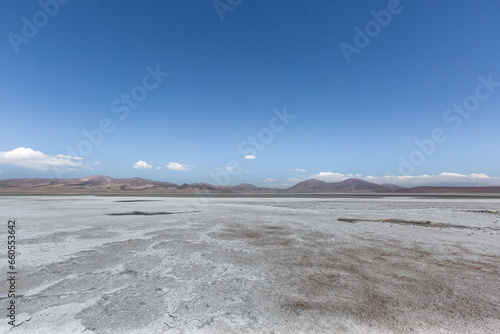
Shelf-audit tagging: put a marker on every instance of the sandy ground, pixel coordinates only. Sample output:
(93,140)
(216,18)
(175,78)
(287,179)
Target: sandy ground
(253,265)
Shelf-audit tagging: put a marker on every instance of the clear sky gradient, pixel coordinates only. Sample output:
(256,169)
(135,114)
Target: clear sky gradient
(361,101)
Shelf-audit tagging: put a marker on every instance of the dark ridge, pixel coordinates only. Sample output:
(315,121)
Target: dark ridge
(396,221)
(141,213)
(485,211)
(138,200)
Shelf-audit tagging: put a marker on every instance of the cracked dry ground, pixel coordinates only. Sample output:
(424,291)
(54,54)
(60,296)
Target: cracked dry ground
(253,267)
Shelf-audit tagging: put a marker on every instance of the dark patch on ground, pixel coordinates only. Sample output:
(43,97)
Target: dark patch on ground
(273,227)
(349,220)
(485,211)
(142,213)
(408,222)
(138,200)
(266,235)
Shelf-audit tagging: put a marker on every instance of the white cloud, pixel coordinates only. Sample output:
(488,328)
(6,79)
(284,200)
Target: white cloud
(97,163)
(296,170)
(158,168)
(250,157)
(443,179)
(178,166)
(141,165)
(331,176)
(269,180)
(29,158)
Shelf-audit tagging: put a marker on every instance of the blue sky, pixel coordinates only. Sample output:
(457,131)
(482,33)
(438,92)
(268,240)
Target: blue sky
(72,67)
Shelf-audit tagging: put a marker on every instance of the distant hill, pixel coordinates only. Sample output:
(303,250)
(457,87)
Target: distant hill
(309,186)
(108,185)
(98,183)
(346,186)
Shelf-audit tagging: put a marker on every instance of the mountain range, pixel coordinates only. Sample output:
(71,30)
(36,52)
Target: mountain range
(108,185)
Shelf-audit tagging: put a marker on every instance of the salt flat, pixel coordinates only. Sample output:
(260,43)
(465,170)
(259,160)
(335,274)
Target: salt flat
(254,265)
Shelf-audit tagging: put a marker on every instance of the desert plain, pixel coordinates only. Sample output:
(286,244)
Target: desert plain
(153,264)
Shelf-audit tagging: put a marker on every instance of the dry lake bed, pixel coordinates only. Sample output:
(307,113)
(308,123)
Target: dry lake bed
(96,264)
